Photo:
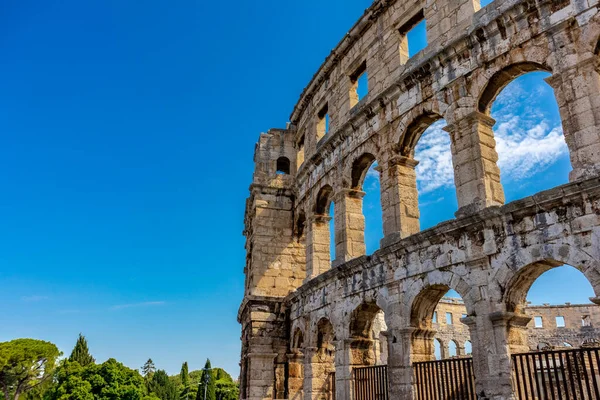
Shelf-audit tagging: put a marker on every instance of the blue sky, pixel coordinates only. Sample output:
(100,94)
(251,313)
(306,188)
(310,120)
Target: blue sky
(128,135)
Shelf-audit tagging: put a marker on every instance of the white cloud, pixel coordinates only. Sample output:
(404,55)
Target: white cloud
(528,140)
(135,305)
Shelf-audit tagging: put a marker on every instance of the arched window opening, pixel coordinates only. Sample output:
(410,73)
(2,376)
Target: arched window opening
(437,349)
(300,226)
(298,341)
(283,166)
(435,173)
(332,236)
(452,349)
(553,297)
(367,336)
(532,153)
(440,301)
(468,348)
(319,245)
(365,178)
(295,370)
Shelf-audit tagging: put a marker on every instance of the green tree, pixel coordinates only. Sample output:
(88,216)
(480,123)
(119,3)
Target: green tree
(81,353)
(149,368)
(185,381)
(162,386)
(25,364)
(108,381)
(207,388)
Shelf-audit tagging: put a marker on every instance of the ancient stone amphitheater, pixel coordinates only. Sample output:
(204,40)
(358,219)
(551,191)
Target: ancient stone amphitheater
(308,321)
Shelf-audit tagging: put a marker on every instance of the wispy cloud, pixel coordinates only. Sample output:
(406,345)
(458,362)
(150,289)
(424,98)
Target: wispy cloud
(528,140)
(137,305)
(34,298)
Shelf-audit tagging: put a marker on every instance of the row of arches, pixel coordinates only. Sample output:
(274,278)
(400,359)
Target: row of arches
(403,193)
(328,347)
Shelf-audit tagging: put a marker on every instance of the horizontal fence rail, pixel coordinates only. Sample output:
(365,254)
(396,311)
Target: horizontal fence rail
(558,374)
(451,379)
(370,383)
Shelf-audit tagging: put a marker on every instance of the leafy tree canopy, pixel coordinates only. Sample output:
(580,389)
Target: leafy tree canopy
(108,381)
(163,387)
(25,364)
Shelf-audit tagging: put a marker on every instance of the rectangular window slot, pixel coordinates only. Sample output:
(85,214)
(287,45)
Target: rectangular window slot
(434,319)
(359,84)
(300,155)
(538,322)
(323,122)
(560,322)
(449,318)
(413,36)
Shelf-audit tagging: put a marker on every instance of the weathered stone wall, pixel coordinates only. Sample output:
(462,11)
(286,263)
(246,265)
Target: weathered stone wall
(582,325)
(490,254)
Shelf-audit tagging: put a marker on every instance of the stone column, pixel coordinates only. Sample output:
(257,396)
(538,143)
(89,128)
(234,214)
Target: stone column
(577,91)
(494,337)
(349,226)
(476,173)
(399,199)
(295,376)
(317,246)
(400,373)
(343,369)
(260,385)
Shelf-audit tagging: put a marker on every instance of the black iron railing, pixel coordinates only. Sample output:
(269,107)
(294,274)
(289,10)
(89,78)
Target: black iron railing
(558,374)
(370,383)
(445,379)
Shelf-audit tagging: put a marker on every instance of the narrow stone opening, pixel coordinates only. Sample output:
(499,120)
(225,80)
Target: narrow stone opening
(413,36)
(323,122)
(283,166)
(359,84)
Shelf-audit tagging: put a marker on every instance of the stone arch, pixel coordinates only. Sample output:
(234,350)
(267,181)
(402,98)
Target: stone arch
(360,167)
(589,40)
(297,340)
(367,323)
(497,82)
(424,294)
(323,200)
(414,130)
(515,275)
(300,225)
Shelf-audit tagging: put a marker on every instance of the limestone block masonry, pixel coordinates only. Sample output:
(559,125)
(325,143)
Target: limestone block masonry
(308,320)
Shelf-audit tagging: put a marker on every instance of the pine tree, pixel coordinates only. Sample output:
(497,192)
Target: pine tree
(185,381)
(207,389)
(81,353)
(148,368)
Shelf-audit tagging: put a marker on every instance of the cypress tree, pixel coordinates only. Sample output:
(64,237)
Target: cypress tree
(81,353)
(207,385)
(185,381)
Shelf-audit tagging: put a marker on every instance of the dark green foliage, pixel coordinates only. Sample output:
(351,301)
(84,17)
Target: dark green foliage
(162,386)
(81,353)
(25,364)
(184,376)
(207,389)
(148,368)
(108,381)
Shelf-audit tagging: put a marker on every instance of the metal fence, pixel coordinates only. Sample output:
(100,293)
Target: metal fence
(370,383)
(445,379)
(558,374)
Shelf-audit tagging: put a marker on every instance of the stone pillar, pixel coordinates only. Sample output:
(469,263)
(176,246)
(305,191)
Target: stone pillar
(343,369)
(317,246)
(400,373)
(295,376)
(399,199)
(476,173)
(260,385)
(494,337)
(317,370)
(349,226)
(577,92)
